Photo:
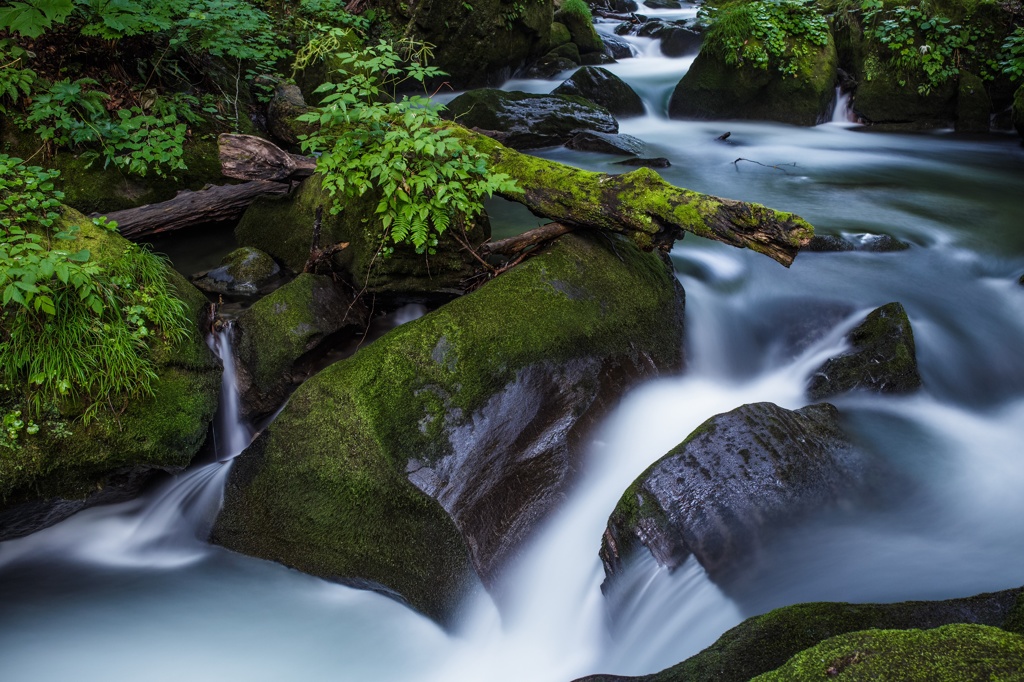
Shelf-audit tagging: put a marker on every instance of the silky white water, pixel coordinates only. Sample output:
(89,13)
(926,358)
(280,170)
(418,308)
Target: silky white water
(129,592)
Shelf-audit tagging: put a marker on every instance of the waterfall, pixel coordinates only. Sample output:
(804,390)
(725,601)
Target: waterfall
(843,111)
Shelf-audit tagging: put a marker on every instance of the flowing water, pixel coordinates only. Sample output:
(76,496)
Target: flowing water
(131,592)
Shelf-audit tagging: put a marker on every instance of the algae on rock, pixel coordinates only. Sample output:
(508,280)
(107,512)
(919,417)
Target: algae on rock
(327,488)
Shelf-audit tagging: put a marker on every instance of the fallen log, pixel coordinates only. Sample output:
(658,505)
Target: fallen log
(640,205)
(247,157)
(214,204)
(513,245)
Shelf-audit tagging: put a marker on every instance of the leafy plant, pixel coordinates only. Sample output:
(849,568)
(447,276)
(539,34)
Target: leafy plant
(1012,61)
(765,34)
(31,17)
(15,82)
(72,332)
(372,140)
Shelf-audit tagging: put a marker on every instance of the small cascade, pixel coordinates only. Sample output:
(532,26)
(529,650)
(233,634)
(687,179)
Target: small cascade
(231,435)
(168,528)
(843,112)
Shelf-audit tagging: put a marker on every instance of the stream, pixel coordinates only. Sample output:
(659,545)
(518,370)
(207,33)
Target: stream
(132,592)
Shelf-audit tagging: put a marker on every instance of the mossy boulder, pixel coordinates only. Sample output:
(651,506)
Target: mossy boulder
(275,335)
(483,45)
(720,493)
(560,34)
(283,111)
(764,643)
(283,228)
(973,107)
(604,88)
(529,121)
(952,653)
(581,28)
(881,358)
(243,272)
(886,96)
(1018,111)
(713,89)
(442,444)
(55,474)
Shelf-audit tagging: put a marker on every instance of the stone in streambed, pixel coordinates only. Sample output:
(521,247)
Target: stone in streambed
(876,243)
(882,358)
(722,491)
(603,88)
(243,272)
(276,333)
(439,447)
(656,162)
(530,121)
(606,144)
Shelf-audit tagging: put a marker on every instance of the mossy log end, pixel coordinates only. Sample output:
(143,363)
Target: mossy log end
(640,205)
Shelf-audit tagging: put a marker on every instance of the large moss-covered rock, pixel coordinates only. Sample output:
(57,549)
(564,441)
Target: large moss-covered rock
(581,28)
(529,121)
(283,227)
(713,89)
(56,473)
(243,272)
(952,653)
(886,96)
(881,358)
(604,88)
(279,330)
(479,43)
(720,492)
(763,643)
(442,444)
(973,106)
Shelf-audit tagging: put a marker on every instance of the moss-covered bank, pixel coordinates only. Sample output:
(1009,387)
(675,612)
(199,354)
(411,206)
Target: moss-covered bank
(325,489)
(52,475)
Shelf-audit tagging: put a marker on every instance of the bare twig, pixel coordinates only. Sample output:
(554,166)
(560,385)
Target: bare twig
(778,166)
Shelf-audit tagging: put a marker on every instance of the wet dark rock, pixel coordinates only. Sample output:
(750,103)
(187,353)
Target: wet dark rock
(530,121)
(616,48)
(1018,111)
(656,162)
(279,335)
(720,494)
(596,59)
(548,67)
(876,243)
(663,4)
(243,272)
(764,643)
(440,447)
(606,144)
(882,358)
(680,42)
(605,89)
(617,6)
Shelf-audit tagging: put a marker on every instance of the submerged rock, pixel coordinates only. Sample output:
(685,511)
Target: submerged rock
(603,88)
(606,144)
(877,243)
(656,162)
(763,643)
(722,490)
(530,121)
(243,272)
(713,89)
(881,359)
(69,465)
(616,48)
(442,445)
(280,330)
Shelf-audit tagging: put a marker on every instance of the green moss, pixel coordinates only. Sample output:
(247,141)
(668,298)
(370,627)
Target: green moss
(249,265)
(1015,620)
(326,490)
(953,653)
(560,35)
(160,431)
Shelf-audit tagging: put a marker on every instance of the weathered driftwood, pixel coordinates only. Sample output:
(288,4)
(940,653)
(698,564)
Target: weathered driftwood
(640,205)
(247,157)
(513,245)
(214,204)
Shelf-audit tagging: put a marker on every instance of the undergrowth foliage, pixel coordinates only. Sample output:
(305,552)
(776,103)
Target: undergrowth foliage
(765,34)
(75,335)
(373,139)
